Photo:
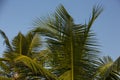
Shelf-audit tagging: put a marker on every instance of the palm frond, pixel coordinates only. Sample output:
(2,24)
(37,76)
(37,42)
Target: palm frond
(108,69)
(33,42)
(19,44)
(35,67)
(117,64)
(97,10)
(6,41)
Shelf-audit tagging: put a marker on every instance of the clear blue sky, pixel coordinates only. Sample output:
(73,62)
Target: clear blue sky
(19,15)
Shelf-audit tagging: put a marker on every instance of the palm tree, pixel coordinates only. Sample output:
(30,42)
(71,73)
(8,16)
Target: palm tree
(22,57)
(72,52)
(73,45)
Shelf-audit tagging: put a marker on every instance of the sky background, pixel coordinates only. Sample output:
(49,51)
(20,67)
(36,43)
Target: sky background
(19,15)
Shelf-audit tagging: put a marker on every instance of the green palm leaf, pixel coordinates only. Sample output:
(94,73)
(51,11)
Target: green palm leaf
(19,43)
(35,67)
(33,42)
(108,69)
(6,41)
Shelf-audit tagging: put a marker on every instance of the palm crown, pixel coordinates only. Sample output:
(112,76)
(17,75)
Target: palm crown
(71,51)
